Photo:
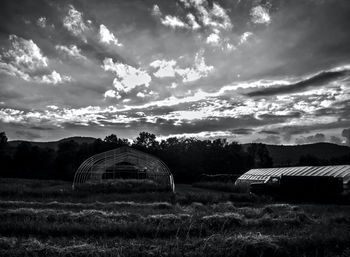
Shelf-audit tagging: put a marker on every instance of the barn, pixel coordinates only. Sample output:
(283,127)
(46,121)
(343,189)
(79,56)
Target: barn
(123,163)
(305,174)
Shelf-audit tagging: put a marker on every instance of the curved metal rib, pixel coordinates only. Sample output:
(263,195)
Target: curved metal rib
(94,167)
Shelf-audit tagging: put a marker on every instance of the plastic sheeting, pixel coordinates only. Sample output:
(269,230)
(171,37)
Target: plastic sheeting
(260,175)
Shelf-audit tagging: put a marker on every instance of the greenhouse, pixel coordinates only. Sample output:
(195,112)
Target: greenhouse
(121,164)
(264,174)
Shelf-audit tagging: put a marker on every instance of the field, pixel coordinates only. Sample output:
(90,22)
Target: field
(47,218)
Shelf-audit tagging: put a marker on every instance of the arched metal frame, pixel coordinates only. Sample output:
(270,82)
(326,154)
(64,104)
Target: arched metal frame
(93,168)
(263,174)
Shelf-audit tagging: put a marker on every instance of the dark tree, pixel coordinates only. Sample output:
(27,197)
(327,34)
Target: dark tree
(5,158)
(311,160)
(187,158)
(259,156)
(113,141)
(146,140)
(3,140)
(66,161)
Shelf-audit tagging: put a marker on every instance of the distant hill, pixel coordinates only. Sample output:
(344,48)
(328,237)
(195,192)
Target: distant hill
(282,155)
(54,144)
(285,155)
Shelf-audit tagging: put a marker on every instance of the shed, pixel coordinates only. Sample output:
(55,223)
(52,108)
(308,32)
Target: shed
(263,174)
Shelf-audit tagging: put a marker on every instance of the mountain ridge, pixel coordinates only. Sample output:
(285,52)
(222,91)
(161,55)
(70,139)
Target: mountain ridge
(287,155)
(282,155)
(54,144)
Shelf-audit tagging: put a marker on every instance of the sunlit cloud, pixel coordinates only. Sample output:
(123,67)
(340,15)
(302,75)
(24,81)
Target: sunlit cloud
(213,39)
(74,22)
(55,78)
(24,54)
(71,51)
(156,11)
(24,59)
(200,69)
(243,70)
(107,37)
(245,37)
(127,77)
(170,68)
(112,94)
(41,22)
(165,68)
(260,15)
(192,21)
(173,22)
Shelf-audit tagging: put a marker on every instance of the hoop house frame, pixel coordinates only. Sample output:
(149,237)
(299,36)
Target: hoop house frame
(93,168)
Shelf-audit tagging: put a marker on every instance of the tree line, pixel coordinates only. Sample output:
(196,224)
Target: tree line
(187,158)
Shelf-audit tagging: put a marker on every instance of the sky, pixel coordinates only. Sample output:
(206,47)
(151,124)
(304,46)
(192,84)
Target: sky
(270,71)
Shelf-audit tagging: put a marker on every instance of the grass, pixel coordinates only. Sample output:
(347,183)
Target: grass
(49,190)
(123,186)
(222,186)
(177,222)
(249,245)
(40,221)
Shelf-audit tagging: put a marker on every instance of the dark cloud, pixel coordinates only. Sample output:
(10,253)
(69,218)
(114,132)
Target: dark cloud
(340,109)
(242,131)
(280,117)
(270,132)
(299,38)
(290,131)
(318,80)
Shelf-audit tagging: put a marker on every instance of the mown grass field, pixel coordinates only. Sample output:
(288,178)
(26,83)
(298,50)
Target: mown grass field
(47,218)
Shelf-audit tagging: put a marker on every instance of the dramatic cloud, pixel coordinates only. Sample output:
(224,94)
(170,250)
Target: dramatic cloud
(199,70)
(214,17)
(127,77)
(24,59)
(242,131)
(173,22)
(219,13)
(245,36)
(111,94)
(165,68)
(319,79)
(55,78)
(210,17)
(262,71)
(140,94)
(41,22)
(204,135)
(192,21)
(213,39)
(156,11)
(24,54)
(189,74)
(74,22)
(71,51)
(107,37)
(260,15)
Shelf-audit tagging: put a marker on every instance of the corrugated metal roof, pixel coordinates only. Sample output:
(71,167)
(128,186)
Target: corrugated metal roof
(339,171)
